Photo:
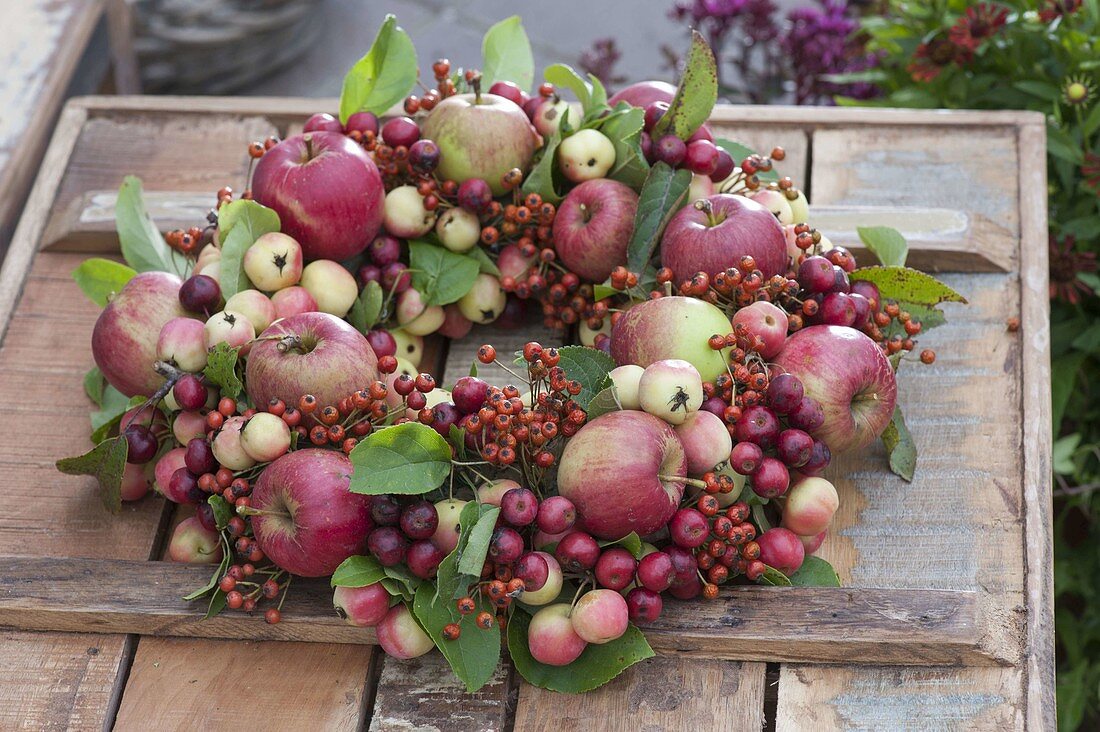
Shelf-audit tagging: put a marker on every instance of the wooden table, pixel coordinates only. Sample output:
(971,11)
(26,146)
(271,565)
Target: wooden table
(968,189)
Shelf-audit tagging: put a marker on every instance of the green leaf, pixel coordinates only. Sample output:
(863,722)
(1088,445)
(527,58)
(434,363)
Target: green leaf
(477,543)
(597,664)
(590,367)
(142,246)
(1062,453)
(449,582)
(217,604)
(624,128)
(506,55)
(408,459)
(367,307)
(485,264)
(541,178)
(774,577)
(900,446)
(457,437)
(221,369)
(739,151)
(222,512)
(113,405)
(907,285)
(1092,122)
(599,292)
(815,572)
(399,582)
(101,279)
(240,224)
(631,542)
(696,94)
(441,276)
(1041,89)
(383,77)
(358,571)
(475,655)
(1063,378)
(886,243)
(663,194)
(105,462)
(94,385)
(606,400)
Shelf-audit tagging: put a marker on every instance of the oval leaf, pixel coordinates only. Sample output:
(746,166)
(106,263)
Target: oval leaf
(240,224)
(663,194)
(105,462)
(886,243)
(590,366)
(506,55)
(476,545)
(907,285)
(696,94)
(815,572)
(596,665)
(900,446)
(367,307)
(441,276)
(407,459)
(142,246)
(475,655)
(358,571)
(383,77)
(100,279)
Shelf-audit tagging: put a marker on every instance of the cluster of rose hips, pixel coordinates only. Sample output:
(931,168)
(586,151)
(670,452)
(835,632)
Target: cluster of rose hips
(444,87)
(745,177)
(736,287)
(710,546)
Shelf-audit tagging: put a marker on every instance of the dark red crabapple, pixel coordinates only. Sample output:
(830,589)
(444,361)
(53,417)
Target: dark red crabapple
(714,405)
(199,457)
(385,249)
(643,605)
(444,416)
(322,122)
(388,545)
(701,157)
(577,552)
(205,513)
(200,293)
(687,589)
(771,479)
(519,507)
(842,258)
(815,274)
(384,510)
(684,567)
(615,568)
(533,570)
(400,131)
(840,280)
(724,167)
(469,394)
(474,195)
(189,392)
(655,571)
(784,393)
(382,343)
(653,114)
(819,459)
(423,559)
(424,156)
(745,457)
(507,89)
(362,122)
(863,309)
(808,415)
(794,447)
(670,149)
(141,444)
(837,309)
(757,424)
(556,514)
(419,520)
(396,277)
(688,528)
(782,549)
(368,273)
(184,488)
(870,291)
(505,546)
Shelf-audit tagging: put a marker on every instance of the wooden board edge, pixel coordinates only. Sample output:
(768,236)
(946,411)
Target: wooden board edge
(1036,407)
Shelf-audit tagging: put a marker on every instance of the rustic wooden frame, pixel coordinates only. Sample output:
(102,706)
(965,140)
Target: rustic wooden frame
(33,589)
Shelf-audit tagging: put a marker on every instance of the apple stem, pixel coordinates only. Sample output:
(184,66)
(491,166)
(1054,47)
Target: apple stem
(681,479)
(705,206)
(475,82)
(249,511)
(288,342)
(308,139)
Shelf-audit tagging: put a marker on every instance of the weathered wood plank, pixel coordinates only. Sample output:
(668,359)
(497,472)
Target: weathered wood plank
(755,623)
(207,684)
(663,694)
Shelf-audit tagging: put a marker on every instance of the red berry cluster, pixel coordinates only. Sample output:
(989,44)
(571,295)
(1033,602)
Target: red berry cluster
(710,546)
(745,178)
(735,287)
(444,87)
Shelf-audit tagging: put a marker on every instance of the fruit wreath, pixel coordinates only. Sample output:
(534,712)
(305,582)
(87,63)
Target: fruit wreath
(263,367)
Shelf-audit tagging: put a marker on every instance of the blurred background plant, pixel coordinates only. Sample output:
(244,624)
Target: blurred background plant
(1041,56)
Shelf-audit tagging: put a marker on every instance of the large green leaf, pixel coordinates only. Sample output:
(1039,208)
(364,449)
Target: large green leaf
(597,664)
(142,246)
(358,571)
(105,462)
(240,224)
(695,96)
(815,572)
(541,178)
(441,276)
(406,459)
(475,654)
(383,77)
(907,285)
(886,243)
(663,194)
(589,366)
(624,128)
(475,546)
(506,55)
(101,279)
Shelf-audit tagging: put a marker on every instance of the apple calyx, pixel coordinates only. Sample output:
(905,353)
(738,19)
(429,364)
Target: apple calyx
(707,208)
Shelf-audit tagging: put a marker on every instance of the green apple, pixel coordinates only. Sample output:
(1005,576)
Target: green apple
(671,327)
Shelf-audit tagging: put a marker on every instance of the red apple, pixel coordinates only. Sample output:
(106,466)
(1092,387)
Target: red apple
(327,192)
(551,636)
(401,636)
(644,93)
(849,376)
(480,136)
(698,239)
(809,506)
(593,226)
(781,548)
(124,340)
(766,320)
(192,543)
(309,521)
(671,327)
(623,473)
(309,353)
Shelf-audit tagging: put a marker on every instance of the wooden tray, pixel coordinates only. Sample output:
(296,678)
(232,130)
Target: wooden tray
(951,572)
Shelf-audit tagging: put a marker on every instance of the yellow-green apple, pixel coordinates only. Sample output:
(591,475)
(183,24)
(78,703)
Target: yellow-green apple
(458,229)
(644,93)
(671,327)
(255,306)
(307,521)
(766,320)
(405,215)
(809,506)
(480,136)
(551,636)
(485,301)
(706,441)
(445,537)
(777,203)
(415,316)
(548,115)
(274,261)
(626,378)
(624,472)
(227,446)
(670,389)
(182,342)
(409,347)
(401,636)
(332,286)
(800,208)
(124,340)
(593,226)
(265,437)
(586,155)
(228,327)
(551,588)
(192,543)
(327,191)
(849,376)
(309,353)
(713,234)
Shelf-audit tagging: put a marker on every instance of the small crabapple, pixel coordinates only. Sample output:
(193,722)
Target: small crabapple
(265,437)
(670,389)
(600,616)
(255,306)
(615,568)
(458,229)
(551,636)
(556,515)
(706,441)
(810,505)
(405,215)
(182,341)
(333,287)
(781,548)
(586,155)
(273,262)
(551,586)
(401,636)
(228,448)
(228,327)
(626,380)
(193,544)
(485,301)
(446,532)
(363,606)
(293,301)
